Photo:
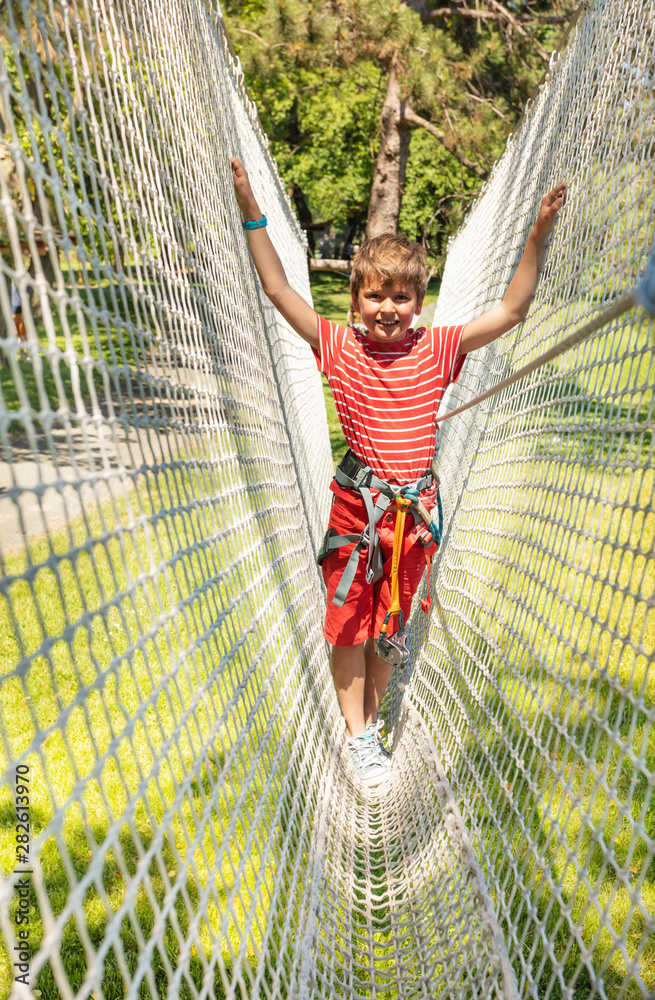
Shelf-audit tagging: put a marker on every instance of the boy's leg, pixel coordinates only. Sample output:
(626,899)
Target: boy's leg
(360,676)
(349,673)
(378,675)
(347,627)
(368,760)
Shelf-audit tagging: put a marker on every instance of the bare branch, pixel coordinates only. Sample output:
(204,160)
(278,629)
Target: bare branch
(511,19)
(490,15)
(413,120)
(245,31)
(277,45)
(501,13)
(487,100)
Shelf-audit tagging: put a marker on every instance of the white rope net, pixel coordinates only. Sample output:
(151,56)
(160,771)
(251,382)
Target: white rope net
(194,830)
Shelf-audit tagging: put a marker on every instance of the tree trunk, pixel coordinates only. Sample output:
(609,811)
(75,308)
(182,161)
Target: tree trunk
(304,216)
(389,176)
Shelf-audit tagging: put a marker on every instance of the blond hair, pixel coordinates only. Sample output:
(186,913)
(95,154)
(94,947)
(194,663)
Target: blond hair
(393,258)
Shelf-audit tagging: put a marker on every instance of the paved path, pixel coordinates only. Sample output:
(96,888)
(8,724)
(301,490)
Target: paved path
(43,492)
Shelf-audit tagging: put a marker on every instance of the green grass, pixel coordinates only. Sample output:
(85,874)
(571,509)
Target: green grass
(102,326)
(551,648)
(557,828)
(338,442)
(332,299)
(331,295)
(201,670)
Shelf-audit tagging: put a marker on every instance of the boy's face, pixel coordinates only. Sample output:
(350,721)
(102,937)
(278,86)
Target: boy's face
(387,309)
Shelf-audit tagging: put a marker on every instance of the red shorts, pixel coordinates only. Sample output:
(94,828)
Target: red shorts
(367,603)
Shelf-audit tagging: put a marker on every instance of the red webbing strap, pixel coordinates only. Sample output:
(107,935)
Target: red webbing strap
(429,549)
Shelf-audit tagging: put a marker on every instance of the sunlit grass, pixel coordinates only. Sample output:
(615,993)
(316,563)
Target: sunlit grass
(138,666)
(558,651)
(150,707)
(331,295)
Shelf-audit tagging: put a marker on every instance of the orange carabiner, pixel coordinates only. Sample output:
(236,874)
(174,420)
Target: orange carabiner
(402,504)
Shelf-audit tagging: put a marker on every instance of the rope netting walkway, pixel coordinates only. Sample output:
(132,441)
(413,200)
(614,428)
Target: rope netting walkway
(177,816)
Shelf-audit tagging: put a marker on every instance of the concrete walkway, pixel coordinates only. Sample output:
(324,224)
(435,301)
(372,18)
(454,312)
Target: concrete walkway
(69,472)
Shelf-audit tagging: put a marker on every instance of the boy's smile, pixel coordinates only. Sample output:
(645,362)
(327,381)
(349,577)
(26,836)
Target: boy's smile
(387,309)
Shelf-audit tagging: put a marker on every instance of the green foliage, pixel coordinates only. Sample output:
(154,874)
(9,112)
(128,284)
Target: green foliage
(318,73)
(438,191)
(320,125)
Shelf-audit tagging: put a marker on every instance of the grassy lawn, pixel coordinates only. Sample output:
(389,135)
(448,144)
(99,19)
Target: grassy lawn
(331,296)
(101,327)
(553,671)
(103,678)
(154,684)
(568,807)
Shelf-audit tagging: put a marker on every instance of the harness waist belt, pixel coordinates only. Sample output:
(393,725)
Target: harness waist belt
(353,474)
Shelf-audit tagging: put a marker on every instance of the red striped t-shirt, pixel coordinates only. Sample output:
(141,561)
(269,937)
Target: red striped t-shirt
(387,395)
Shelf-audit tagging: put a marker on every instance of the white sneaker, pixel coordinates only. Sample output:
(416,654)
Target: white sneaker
(375,728)
(370,766)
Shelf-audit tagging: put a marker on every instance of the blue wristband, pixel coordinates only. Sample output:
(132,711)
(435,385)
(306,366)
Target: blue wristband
(256,223)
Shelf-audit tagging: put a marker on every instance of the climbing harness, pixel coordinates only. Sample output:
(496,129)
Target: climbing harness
(353,474)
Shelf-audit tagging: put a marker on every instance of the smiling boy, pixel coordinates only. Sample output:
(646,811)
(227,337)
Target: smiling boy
(387,384)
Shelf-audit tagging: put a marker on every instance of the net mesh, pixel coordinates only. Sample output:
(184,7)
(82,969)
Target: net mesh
(194,829)
(537,681)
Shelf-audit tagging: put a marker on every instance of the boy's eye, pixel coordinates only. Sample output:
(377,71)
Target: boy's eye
(375,296)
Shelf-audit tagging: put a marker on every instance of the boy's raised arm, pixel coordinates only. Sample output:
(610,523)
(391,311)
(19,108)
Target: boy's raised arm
(516,302)
(298,313)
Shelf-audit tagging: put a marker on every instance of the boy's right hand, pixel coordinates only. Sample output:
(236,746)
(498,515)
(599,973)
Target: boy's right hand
(243,191)
(297,312)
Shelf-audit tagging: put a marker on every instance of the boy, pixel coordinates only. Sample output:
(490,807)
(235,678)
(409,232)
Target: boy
(387,385)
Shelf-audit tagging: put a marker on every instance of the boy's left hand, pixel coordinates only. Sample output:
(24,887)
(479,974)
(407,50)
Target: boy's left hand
(516,301)
(550,206)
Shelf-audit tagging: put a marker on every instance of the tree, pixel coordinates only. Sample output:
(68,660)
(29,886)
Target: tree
(320,123)
(458,74)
